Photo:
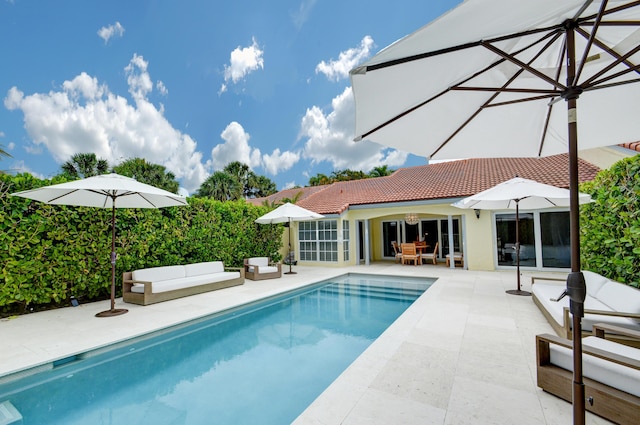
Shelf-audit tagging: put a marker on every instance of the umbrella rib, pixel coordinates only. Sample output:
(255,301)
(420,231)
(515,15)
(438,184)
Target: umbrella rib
(590,40)
(523,65)
(554,35)
(619,59)
(386,64)
(497,92)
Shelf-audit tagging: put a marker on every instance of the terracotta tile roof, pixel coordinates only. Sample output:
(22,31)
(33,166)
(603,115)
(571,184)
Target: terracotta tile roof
(287,193)
(454,179)
(634,146)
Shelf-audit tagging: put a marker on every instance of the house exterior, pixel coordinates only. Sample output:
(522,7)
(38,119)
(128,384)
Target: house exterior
(364,217)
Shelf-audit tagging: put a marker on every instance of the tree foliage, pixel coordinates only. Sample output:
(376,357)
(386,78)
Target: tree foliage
(220,186)
(49,253)
(347,175)
(610,225)
(83,165)
(146,172)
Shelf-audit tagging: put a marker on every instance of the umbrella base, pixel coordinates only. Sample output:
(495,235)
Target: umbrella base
(114,312)
(518,292)
(290,272)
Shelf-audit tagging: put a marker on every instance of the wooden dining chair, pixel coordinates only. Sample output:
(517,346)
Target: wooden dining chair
(409,254)
(396,250)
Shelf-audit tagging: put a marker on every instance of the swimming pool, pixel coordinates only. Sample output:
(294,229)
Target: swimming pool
(262,363)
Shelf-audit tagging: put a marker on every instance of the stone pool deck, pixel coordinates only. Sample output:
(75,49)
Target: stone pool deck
(463,353)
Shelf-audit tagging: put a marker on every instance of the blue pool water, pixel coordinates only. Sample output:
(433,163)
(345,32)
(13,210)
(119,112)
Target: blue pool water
(263,363)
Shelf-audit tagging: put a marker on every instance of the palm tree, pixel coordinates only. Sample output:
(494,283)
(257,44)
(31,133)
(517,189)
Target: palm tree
(4,153)
(381,171)
(146,172)
(221,186)
(83,165)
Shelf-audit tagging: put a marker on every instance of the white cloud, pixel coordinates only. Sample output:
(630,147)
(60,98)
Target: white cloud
(11,146)
(138,78)
(243,62)
(106,33)
(162,88)
(300,16)
(279,161)
(236,148)
(336,70)
(84,116)
(18,167)
(330,138)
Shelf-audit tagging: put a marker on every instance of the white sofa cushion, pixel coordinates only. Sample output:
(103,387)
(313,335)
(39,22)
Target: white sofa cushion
(544,292)
(264,269)
(609,373)
(258,261)
(594,282)
(156,274)
(620,297)
(208,267)
(170,285)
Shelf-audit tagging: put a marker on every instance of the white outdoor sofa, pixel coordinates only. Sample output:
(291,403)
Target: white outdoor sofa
(157,284)
(607,302)
(611,372)
(259,268)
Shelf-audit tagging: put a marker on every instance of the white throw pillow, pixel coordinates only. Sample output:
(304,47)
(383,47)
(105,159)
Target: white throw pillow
(259,261)
(208,267)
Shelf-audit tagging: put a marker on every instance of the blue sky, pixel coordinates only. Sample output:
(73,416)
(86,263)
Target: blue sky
(195,84)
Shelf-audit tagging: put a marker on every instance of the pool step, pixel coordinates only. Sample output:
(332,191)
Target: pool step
(9,415)
(374,292)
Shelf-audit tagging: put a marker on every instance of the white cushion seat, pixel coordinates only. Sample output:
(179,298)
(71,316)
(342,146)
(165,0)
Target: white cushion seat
(607,372)
(184,282)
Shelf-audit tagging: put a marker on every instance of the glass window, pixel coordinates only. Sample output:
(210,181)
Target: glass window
(556,239)
(318,240)
(506,239)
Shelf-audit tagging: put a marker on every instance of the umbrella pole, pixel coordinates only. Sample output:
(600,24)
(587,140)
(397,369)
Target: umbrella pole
(576,288)
(518,291)
(289,255)
(113,311)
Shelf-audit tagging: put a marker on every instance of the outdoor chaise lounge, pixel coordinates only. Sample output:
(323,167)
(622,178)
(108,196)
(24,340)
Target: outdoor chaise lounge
(607,302)
(611,372)
(458,259)
(157,284)
(259,268)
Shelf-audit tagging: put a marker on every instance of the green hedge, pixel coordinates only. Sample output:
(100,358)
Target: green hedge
(610,225)
(50,253)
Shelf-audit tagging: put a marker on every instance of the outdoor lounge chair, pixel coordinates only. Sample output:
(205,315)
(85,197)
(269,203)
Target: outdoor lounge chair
(611,372)
(259,268)
(409,254)
(457,259)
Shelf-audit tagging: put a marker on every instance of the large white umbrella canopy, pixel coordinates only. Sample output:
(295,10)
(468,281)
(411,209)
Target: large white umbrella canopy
(520,192)
(515,194)
(288,213)
(106,191)
(498,78)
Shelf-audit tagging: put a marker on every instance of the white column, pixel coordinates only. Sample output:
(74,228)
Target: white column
(452,263)
(367,254)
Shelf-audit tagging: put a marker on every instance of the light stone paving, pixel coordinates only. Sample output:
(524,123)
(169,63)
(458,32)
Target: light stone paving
(463,353)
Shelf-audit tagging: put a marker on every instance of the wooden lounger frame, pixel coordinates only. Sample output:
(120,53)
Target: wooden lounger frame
(148,297)
(564,329)
(255,275)
(602,400)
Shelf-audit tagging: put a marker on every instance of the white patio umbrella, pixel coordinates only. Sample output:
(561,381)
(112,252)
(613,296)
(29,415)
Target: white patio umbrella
(516,193)
(486,79)
(288,213)
(106,191)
